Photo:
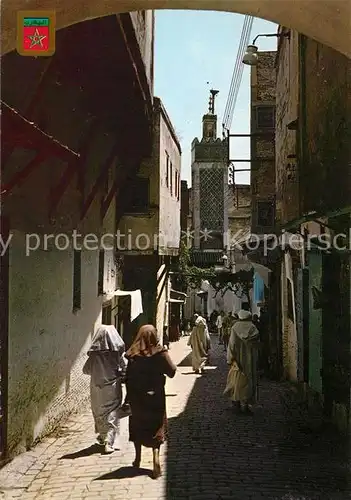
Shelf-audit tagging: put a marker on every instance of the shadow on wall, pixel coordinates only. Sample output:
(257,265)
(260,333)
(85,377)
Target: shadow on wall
(213,454)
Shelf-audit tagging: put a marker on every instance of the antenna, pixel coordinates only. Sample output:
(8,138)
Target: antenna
(211,107)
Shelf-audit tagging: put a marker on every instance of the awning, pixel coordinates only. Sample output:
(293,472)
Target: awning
(136,305)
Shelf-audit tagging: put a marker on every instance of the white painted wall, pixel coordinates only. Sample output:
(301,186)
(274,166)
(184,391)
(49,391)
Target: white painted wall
(47,341)
(169,225)
(159,228)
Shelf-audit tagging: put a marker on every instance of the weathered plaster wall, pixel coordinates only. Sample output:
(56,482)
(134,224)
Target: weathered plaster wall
(169,229)
(263,83)
(287,102)
(326,177)
(287,179)
(239,210)
(47,341)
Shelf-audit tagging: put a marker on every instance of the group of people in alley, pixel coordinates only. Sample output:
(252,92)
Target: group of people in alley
(239,333)
(143,369)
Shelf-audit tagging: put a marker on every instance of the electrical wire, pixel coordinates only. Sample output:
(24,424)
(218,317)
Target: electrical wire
(234,75)
(237,73)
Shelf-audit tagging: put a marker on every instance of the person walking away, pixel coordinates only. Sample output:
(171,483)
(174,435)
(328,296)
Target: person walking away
(106,366)
(213,318)
(228,323)
(242,357)
(199,342)
(219,325)
(148,363)
(174,333)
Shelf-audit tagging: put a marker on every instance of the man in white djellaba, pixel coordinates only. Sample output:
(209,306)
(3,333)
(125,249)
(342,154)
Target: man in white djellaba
(106,366)
(242,357)
(200,343)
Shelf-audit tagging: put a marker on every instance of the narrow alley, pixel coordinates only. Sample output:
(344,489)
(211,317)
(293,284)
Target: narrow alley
(211,454)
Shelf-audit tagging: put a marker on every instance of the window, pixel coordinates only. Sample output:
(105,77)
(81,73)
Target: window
(167,169)
(179,187)
(107,314)
(77,279)
(139,196)
(265,117)
(101,272)
(265,213)
(171,177)
(176,184)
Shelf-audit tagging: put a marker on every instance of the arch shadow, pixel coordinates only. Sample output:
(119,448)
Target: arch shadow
(326,21)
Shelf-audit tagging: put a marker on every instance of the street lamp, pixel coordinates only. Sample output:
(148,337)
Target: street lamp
(251,56)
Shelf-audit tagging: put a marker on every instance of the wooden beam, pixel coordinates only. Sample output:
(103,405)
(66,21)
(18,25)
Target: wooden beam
(104,171)
(19,131)
(127,30)
(77,167)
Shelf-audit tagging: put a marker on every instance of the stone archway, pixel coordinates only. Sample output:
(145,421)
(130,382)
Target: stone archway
(327,21)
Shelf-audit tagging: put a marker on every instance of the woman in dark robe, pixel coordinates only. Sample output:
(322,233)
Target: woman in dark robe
(148,363)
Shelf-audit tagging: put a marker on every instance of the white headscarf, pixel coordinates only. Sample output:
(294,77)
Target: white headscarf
(243,315)
(107,338)
(200,321)
(245,330)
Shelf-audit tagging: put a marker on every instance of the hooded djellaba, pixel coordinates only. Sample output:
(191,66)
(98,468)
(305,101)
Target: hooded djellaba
(106,366)
(242,356)
(200,344)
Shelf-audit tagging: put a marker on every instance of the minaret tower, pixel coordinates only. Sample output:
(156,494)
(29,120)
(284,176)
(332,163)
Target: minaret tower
(209,184)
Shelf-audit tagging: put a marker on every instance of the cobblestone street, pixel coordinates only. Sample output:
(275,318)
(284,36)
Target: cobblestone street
(211,454)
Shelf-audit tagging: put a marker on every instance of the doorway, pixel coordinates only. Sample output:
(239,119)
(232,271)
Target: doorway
(315,347)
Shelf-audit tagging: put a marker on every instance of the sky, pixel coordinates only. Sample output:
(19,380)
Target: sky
(191,49)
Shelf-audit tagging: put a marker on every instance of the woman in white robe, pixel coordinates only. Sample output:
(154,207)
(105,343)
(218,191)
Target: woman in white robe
(199,341)
(106,366)
(242,356)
